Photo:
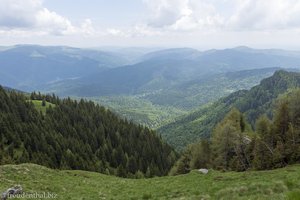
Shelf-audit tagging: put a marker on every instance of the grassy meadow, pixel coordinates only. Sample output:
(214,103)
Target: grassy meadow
(275,184)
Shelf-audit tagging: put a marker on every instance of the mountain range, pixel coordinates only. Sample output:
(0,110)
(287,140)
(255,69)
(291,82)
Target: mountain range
(152,87)
(162,70)
(92,72)
(26,67)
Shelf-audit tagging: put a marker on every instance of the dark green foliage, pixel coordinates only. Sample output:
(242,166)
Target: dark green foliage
(263,144)
(229,141)
(279,141)
(197,155)
(182,166)
(78,135)
(201,155)
(44,103)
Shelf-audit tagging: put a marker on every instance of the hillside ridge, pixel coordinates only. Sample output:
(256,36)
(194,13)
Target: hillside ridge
(254,102)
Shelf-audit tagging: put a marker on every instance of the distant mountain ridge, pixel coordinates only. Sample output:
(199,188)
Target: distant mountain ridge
(27,67)
(73,70)
(176,54)
(165,68)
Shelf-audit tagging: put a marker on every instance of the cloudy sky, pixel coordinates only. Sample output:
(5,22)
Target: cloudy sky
(161,23)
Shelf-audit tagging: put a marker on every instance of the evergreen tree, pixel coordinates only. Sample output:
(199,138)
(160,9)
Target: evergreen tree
(201,155)
(182,166)
(43,102)
(263,150)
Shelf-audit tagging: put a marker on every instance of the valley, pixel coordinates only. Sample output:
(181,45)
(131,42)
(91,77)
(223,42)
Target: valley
(158,108)
(150,100)
(145,126)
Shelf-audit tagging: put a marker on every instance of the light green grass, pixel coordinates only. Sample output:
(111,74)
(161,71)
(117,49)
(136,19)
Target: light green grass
(276,184)
(39,107)
(139,110)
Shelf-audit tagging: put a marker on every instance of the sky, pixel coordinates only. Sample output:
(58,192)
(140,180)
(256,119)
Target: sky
(202,24)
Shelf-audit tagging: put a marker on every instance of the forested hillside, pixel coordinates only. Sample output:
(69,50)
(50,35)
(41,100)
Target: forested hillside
(233,145)
(77,135)
(259,100)
(155,109)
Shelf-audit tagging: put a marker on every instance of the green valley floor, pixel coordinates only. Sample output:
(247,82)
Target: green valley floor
(274,184)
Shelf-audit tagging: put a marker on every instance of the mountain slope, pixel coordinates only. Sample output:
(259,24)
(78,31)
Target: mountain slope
(274,184)
(69,134)
(252,103)
(192,94)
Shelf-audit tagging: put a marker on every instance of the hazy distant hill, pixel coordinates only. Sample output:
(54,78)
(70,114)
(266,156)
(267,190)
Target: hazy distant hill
(175,54)
(90,72)
(166,68)
(254,102)
(27,67)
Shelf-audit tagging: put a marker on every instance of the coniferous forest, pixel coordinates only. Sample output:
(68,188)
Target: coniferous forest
(78,135)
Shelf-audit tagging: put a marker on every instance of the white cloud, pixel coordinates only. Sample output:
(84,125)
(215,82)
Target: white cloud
(14,13)
(52,22)
(29,16)
(116,32)
(87,27)
(143,30)
(183,14)
(244,15)
(184,22)
(136,31)
(266,15)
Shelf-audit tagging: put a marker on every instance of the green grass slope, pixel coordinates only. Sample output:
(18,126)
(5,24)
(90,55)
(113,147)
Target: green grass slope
(276,184)
(38,105)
